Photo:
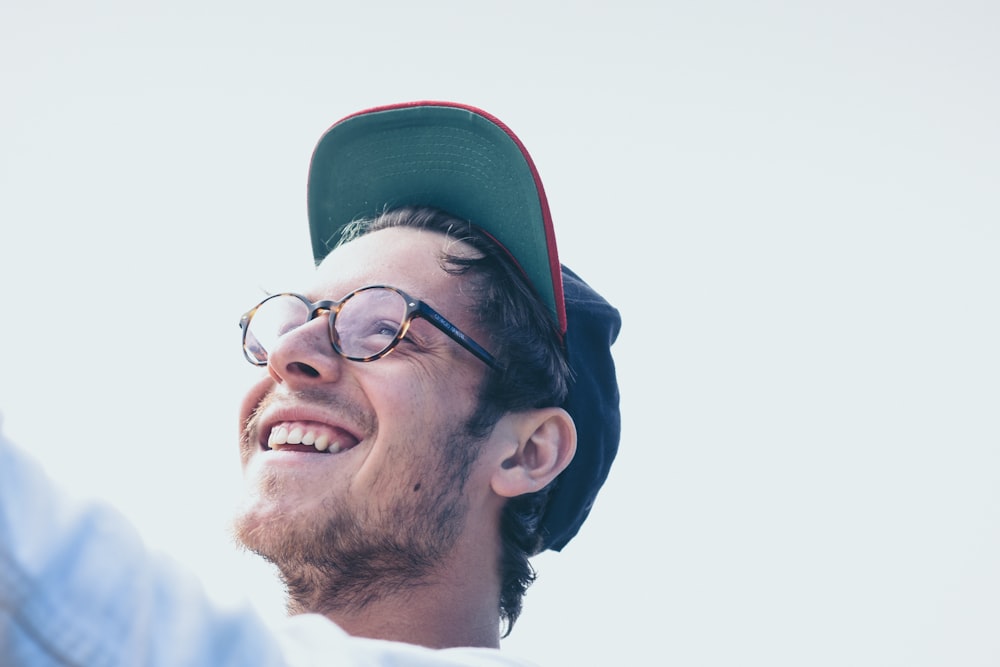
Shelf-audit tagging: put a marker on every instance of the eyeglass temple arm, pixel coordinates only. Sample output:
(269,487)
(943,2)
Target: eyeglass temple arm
(456,334)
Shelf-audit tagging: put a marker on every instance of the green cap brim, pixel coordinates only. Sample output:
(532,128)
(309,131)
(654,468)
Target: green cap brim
(449,156)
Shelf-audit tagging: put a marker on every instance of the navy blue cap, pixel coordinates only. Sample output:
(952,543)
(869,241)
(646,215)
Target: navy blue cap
(592,326)
(466,162)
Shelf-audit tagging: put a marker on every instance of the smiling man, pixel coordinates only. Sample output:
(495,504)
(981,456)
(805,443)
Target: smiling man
(435,408)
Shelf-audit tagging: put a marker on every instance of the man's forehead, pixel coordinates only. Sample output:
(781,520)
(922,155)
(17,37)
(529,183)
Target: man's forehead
(402,257)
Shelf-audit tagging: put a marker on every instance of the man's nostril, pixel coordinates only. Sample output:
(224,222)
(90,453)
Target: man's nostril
(305,369)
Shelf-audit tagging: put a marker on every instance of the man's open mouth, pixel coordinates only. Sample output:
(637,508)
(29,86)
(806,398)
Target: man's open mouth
(309,437)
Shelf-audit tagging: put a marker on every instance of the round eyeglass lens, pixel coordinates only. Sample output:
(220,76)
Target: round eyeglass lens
(369,322)
(273,318)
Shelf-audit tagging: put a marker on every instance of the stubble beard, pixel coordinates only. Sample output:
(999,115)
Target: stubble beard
(345,560)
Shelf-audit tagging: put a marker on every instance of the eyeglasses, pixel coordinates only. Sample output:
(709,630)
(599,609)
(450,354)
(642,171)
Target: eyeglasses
(364,326)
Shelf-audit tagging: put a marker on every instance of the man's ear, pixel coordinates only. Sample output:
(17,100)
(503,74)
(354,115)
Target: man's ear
(542,443)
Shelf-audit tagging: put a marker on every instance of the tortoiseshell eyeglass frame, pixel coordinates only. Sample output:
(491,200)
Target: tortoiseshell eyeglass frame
(414,308)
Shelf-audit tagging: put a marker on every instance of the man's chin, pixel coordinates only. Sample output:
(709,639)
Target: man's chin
(260,529)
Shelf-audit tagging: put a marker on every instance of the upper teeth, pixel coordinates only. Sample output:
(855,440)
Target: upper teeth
(298,435)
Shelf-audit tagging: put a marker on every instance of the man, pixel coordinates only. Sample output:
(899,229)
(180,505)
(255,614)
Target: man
(439,405)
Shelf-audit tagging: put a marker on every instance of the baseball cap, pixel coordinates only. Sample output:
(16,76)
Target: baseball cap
(466,162)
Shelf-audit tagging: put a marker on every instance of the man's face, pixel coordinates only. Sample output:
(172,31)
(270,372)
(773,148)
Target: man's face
(396,483)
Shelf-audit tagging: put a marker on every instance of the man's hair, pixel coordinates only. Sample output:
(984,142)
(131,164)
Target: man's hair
(533,371)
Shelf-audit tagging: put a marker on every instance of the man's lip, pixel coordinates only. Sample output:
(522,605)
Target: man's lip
(304,449)
(299,415)
(298,448)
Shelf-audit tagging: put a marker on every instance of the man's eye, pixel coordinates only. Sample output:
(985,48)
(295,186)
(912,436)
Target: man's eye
(383,328)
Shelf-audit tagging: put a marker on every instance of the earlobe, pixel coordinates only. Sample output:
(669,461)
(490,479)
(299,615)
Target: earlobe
(544,441)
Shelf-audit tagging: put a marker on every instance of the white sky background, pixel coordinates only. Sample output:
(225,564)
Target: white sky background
(795,206)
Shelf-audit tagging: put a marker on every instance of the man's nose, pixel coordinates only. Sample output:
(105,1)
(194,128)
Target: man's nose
(305,355)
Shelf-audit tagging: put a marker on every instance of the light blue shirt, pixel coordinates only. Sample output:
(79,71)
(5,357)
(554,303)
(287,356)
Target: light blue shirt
(78,587)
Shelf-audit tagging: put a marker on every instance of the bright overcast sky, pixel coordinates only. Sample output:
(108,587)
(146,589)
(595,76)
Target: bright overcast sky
(795,206)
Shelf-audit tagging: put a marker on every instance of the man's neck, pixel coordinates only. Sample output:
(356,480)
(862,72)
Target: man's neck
(455,605)
(437,619)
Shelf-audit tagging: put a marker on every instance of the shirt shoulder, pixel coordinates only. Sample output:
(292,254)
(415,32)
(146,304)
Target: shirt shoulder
(311,640)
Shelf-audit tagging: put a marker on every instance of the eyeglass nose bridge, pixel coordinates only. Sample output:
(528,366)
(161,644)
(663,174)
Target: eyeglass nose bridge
(321,308)
(329,309)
